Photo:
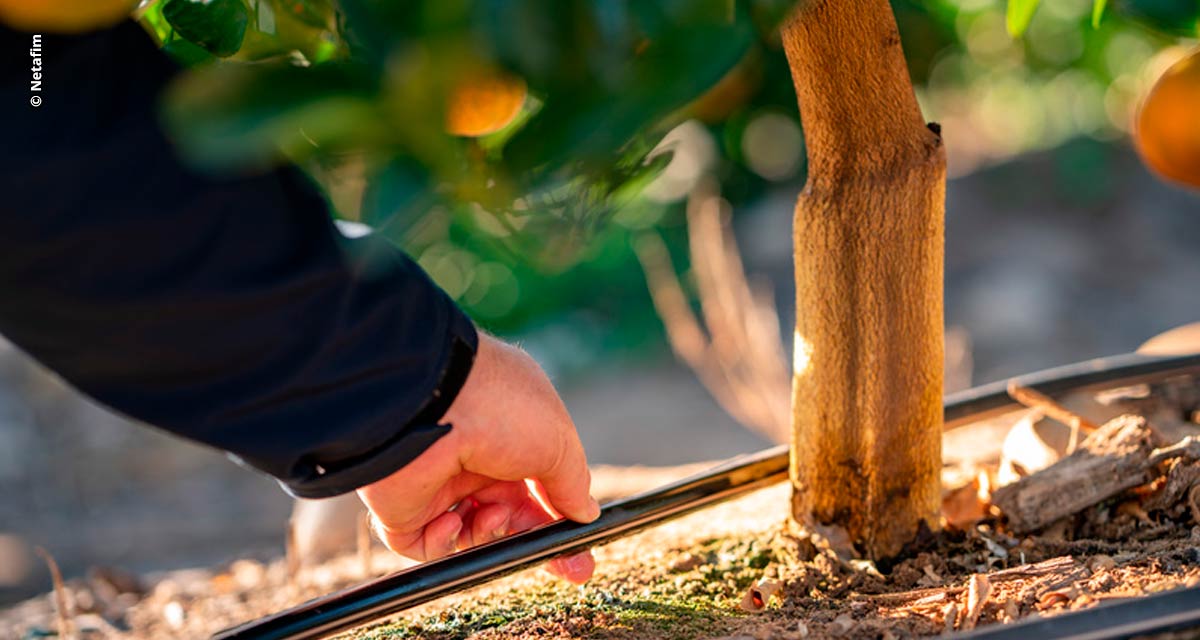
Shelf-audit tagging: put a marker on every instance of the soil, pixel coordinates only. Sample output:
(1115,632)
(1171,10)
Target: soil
(690,578)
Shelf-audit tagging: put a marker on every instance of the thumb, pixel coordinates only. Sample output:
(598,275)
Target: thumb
(568,486)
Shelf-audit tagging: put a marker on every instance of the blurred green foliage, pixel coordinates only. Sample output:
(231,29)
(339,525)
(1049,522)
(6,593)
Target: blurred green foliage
(533,221)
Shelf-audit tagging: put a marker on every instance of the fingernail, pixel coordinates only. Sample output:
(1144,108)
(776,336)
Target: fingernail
(593,509)
(576,564)
(453,539)
(501,530)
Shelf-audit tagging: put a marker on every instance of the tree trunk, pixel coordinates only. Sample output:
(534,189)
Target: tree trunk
(869,238)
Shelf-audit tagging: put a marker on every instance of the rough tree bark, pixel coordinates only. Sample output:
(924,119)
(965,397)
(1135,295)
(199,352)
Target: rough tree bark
(869,229)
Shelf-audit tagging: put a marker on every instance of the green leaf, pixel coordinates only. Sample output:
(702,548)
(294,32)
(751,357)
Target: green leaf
(228,114)
(591,118)
(1175,17)
(218,26)
(1020,12)
(185,52)
(314,13)
(768,15)
(395,197)
(1097,12)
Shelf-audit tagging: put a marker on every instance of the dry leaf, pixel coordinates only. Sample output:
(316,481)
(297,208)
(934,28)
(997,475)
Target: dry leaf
(968,504)
(1055,598)
(1133,509)
(931,578)
(1194,503)
(1030,446)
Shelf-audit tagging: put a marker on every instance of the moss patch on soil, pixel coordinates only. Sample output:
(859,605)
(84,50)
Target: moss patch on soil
(682,593)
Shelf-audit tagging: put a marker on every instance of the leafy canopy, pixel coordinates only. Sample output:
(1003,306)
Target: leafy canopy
(606,77)
(371,77)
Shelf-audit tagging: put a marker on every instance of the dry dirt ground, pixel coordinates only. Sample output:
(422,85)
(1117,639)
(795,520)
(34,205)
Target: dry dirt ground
(1038,519)
(688,579)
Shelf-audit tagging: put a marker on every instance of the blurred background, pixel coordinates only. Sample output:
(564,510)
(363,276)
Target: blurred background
(1061,246)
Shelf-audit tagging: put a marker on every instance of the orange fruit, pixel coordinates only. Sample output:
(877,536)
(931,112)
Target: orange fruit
(484,103)
(63,16)
(1167,130)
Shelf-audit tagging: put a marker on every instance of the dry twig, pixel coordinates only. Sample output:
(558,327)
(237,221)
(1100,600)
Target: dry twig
(363,540)
(741,359)
(292,558)
(951,615)
(1044,568)
(66,626)
(978,590)
(1038,400)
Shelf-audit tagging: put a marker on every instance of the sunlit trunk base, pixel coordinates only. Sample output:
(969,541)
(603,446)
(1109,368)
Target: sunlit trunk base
(869,229)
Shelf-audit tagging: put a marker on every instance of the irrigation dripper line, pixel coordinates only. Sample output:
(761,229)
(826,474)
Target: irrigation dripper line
(1132,618)
(394,593)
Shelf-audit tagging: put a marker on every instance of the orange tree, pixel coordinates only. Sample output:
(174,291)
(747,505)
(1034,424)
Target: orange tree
(868,234)
(540,117)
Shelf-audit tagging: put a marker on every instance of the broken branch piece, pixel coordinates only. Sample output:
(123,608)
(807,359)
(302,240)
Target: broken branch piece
(1118,457)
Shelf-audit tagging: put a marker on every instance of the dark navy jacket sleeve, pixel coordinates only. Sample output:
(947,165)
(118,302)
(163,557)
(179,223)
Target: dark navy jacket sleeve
(225,309)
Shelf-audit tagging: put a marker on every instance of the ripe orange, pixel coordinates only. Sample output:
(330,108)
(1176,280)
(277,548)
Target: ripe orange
(63,16)
(1167,130)
(484,103)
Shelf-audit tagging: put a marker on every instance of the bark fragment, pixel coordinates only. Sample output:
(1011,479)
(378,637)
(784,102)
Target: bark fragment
(1120,455)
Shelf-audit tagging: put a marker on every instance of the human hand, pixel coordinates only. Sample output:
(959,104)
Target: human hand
(511,462)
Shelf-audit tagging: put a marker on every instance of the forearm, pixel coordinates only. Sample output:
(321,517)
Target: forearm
(224,309)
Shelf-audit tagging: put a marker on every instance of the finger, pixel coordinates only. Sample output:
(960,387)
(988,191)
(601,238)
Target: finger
(398,519)
(435,540)
(441,535)
(486,522)
(568,483)
(576,569)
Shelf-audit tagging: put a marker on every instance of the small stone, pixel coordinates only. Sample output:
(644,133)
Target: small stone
(687,562)
(174,614)
(166,589)
(247,573)
(843,624)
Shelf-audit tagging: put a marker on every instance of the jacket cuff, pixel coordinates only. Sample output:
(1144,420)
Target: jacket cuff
(326,479)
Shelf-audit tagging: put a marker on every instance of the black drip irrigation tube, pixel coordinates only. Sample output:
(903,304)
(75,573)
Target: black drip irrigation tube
(1133,618)
(392,594)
